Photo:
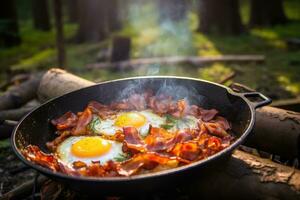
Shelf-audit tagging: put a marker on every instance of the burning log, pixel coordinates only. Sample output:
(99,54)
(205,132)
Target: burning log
(190,60)
(20,94)
(276,131)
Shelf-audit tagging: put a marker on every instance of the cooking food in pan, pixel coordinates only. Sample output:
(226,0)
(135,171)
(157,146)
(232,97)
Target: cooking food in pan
(141,134)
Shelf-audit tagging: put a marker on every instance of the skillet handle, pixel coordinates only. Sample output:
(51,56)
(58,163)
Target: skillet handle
(264,100)
(6,128)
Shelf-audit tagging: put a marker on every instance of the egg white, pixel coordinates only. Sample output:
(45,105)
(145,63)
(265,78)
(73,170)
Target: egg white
(67,158)
(107,126)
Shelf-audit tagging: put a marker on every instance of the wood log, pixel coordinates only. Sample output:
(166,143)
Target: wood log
(15,114)
(24,190)
(243,176)
(57,82)
(288,104)
(190,60)
(276,131)
(246,176)
(20,94)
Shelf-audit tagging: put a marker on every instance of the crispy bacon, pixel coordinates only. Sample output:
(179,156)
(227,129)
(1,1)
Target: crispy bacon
(132,140)
(54,143)
(144,160)
(222,122)
(216,129)
(34,154)
(207,115)
(103,111)
(160,149)
(161,104)
(66,121)
(138,102)
(84,119)
(187,150)
(180,109)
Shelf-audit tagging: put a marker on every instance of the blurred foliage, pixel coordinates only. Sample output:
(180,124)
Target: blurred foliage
(33,41)
(215,72)
(151,36)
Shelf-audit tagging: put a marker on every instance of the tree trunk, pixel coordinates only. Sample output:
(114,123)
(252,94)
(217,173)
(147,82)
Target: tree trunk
(113,15)
(9,31)
(92,21)
(174,10)
(59,33)
(73,10)
(221,17)
(267,13)
(120,49)
(41,19)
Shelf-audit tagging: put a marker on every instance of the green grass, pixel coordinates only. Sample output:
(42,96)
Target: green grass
(33,42)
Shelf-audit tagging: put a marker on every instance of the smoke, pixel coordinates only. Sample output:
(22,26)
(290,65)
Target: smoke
(161,29)
(177,88)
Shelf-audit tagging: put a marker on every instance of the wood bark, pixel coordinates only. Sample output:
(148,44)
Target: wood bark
(92,21)
(249,177)
(61,57)
(20,94)
(40,12)
(267,13)
(190,60)
(73,10)
(9,32)
(113,15)
(276,131)
(57,82)
(220,17)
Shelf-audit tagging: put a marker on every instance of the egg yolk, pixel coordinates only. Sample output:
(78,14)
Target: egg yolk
(133,119)
(90,147)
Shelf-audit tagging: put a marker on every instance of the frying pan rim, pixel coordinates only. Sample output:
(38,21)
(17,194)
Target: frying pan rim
(199,163)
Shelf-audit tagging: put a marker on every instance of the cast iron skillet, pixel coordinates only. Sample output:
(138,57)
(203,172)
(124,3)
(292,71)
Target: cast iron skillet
(35,128)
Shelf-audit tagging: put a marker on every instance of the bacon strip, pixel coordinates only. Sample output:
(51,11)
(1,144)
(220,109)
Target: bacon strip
(103,111)
(132,140)
(84,119)
(66,121)
(34,154)
(144,160)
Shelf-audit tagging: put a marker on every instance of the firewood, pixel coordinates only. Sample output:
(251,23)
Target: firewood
(191,60)
(15,114)
(276,131)
(24,190)
(246,176)
(20,94)
(57,82)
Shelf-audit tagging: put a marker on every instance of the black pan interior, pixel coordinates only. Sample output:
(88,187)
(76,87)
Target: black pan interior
(36,128)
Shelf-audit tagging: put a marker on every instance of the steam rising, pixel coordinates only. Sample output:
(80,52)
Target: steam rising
(168,86)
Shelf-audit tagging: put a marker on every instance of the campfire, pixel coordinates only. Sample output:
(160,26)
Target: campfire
(264,166)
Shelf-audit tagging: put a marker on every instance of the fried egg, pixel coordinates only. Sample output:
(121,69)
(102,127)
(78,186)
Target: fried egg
(141,120)
(87,149)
